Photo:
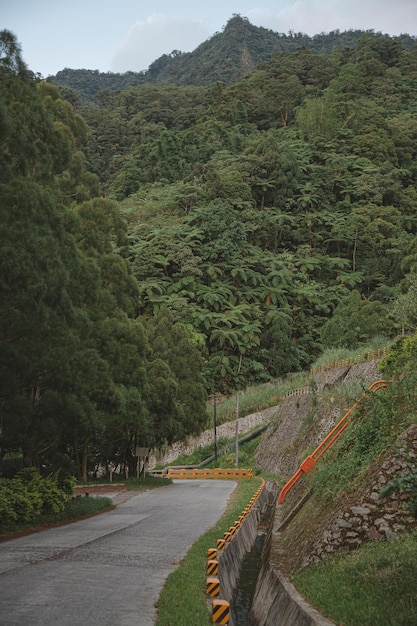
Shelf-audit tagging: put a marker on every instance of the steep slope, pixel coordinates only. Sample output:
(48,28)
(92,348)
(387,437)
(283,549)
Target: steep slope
(302,421)
(342,504)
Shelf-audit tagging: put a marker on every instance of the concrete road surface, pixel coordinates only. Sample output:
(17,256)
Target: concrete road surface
(109,569)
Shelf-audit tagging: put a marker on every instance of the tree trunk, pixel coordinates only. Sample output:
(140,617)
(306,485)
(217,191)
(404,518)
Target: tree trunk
(84,460)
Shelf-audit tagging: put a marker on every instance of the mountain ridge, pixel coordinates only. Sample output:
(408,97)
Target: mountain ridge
(225,57)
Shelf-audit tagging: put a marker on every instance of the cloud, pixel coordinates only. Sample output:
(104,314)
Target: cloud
(316,16)
(159,34)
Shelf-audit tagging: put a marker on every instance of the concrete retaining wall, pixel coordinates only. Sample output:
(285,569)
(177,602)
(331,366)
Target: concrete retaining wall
(276,600)
(227,430)
(230,560)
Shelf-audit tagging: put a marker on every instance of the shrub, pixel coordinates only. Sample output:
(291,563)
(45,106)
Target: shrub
(28,495)
(8,514)
(52,498)
(22,505)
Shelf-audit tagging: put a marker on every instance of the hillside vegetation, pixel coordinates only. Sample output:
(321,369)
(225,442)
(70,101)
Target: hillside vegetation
(172,242)
(351,549)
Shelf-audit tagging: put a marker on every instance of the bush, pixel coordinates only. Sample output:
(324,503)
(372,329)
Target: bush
(22,505)
(52,498)
(7,513)
(28,495)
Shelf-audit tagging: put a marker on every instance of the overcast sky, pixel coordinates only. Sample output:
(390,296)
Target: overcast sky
(122,35)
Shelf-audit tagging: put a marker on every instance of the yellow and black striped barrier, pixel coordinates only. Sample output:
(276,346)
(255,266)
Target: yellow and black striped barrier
(220,544)
(212,586)
(221,608)
(220,612)
(229,473)
(212,567)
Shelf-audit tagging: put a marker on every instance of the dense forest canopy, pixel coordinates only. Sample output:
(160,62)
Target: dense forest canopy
(168,242)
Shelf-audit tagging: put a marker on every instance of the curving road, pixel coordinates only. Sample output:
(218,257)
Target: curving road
(109,569)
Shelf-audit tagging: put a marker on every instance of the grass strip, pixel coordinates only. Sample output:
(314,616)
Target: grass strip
(376,584)
(183,601)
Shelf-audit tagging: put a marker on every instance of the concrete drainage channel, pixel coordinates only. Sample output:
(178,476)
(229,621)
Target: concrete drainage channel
(226,561)
(242,586)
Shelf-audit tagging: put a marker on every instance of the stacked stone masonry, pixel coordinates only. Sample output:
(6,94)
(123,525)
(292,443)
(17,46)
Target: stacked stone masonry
(373,517)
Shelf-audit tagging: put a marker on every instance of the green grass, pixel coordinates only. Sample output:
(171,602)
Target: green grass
(149,482)
(183,601)
(260,397)
(226,454)
(373,586)
(333,356)
(374,426)
(257,398)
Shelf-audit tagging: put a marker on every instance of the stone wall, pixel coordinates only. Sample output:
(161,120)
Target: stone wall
(228,430)
(281,450)
(275,454)
(373,517)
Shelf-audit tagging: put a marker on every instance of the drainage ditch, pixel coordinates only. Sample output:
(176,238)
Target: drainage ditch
(247,583)
(251,568)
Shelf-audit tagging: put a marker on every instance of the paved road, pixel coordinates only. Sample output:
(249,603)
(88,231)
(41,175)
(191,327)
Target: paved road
(109,569)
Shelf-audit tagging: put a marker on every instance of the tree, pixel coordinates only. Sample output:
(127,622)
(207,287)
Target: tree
(11,54)
(404,309)
(176,398)
(355,321)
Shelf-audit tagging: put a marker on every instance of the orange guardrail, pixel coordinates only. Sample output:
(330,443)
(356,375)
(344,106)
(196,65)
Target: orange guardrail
(308,463)
(210,473)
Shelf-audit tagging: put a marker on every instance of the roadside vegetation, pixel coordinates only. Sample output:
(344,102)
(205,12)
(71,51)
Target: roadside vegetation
(372,585)
(183,601)
(375,584)
(30,502)
(259,397)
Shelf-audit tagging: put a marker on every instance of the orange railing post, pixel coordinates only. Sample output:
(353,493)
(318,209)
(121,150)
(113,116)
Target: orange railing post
(308,463)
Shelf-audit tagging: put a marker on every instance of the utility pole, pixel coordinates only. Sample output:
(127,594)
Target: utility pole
(237,417)
(214,400)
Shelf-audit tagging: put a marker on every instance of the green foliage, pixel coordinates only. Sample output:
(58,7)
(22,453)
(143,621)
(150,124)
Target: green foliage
(72,358)
(52,496)
(355,321)
(267,216)
(227,57)
(176,398)
(375,584)
(80,507)
(373,427)
(28,496)
(401,356)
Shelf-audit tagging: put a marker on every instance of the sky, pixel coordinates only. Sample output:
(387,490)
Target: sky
(128,35)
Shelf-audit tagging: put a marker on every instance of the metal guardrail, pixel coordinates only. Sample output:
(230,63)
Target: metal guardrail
(308,463)
(209,473)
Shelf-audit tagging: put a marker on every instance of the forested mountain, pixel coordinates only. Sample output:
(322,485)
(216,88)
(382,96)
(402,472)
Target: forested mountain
(171,241)
(270,213)
(226,57)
